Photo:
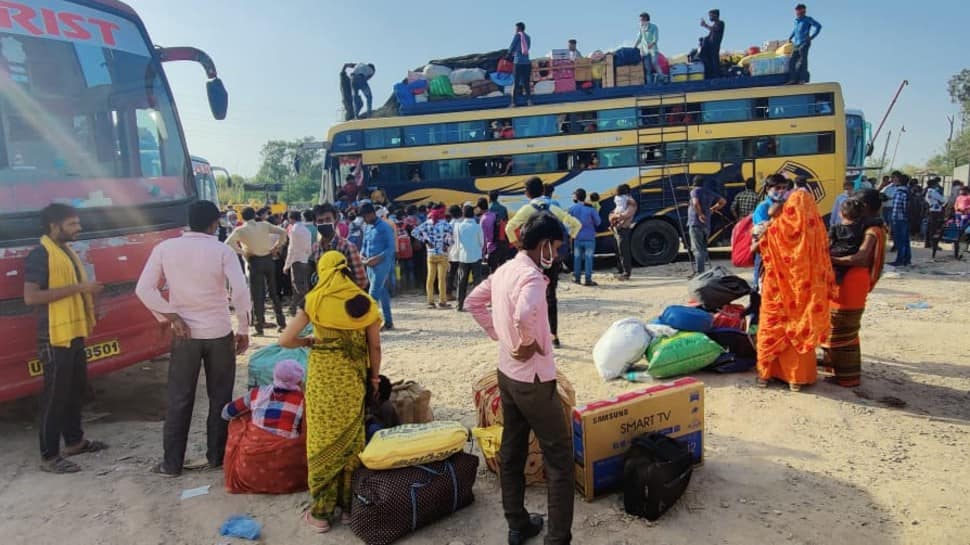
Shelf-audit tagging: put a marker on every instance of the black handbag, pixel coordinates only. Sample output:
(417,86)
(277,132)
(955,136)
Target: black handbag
(388,505)
(656,472)
(717,287)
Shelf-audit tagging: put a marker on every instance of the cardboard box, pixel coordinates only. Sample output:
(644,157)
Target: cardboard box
(584,73)
(583,62)
(602,431)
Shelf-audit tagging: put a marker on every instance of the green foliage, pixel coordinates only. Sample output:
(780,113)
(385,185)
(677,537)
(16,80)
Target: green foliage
(959,88)
(958,151)
(278,168)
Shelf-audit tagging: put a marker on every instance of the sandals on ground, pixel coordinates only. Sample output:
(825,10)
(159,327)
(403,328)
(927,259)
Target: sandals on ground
(85,447)
(59,466)
(762,383)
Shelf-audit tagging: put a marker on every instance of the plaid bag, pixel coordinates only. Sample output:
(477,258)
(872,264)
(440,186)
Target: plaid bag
(388,505)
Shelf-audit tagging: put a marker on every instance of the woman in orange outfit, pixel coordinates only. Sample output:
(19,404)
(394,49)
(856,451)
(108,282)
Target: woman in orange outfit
(798,282)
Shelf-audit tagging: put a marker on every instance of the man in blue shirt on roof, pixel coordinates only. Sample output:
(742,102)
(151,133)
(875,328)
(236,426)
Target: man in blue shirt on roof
(801,38)
(519,51)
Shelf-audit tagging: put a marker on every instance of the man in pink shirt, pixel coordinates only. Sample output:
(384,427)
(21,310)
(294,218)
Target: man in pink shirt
(198,309)
(519,322)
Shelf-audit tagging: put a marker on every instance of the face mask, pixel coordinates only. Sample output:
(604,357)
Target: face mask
(326,230)
(546,262)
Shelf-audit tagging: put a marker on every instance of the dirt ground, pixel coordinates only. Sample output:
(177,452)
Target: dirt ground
(826,465)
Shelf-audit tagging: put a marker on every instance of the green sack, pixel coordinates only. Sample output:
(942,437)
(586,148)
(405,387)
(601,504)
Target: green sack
(681,354)
(441,87)
(262,361)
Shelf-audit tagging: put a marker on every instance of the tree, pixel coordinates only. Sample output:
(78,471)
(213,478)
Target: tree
(278,167)
(959,88)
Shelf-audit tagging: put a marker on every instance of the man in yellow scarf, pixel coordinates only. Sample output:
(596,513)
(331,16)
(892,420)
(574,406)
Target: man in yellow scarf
(56,283)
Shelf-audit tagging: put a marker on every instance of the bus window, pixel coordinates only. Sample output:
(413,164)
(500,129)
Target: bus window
(535,163)
(620,157)
(651,154)
(616,120)
(466,131)
(805,144)
(581,122)
(537,125)
(448,169)
(728,149)
(721,111)
(423,135)
(382,138)
(651,117)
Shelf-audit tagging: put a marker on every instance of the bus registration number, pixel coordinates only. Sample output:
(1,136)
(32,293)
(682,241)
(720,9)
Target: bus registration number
(94,352)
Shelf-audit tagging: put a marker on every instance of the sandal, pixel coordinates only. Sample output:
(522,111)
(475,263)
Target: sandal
(794,387)
(319,526)
(159,469)
(85,447)
(762,383)
(59,466)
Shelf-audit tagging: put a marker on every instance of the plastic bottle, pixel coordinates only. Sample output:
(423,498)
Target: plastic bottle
(638,376)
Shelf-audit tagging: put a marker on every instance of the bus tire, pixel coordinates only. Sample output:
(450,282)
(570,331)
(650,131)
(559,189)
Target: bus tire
(655,242)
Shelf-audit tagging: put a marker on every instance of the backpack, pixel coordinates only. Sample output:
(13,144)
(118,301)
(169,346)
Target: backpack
(656,472)
(741,254)
(404,248)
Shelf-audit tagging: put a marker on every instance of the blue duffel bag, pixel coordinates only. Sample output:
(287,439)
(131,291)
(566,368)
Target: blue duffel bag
(626,56)
(684,318)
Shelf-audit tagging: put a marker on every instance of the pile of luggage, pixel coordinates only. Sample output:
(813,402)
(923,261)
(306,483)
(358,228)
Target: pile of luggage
(710,333)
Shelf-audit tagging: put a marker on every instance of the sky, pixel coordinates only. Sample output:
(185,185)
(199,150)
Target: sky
(280,60)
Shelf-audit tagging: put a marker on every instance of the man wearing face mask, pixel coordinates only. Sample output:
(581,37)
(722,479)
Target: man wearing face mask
(518,321)
(538,202)
(330,239)
(776,191)
(378,256)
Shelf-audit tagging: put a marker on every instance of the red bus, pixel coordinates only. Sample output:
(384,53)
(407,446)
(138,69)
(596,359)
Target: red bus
(87,118)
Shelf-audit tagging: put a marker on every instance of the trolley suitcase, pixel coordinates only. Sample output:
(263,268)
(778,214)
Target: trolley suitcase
(388,505)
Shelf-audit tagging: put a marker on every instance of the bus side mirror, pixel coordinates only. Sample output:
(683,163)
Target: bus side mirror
(218,98)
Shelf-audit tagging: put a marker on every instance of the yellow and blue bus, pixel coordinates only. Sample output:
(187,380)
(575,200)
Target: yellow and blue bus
(654,142)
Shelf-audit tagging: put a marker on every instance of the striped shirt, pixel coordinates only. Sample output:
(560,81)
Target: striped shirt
(276,411)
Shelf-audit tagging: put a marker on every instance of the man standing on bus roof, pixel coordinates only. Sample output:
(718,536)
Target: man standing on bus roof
(519,51)
(711,45)
(380,243)
(56,282)
(538,203)
(647,42)
(573,52)
(255,241)
(198,309)
(801,38)
(703,203)
(360,82)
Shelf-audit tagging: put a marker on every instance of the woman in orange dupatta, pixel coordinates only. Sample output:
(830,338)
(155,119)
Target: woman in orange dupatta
(797,283)
(841,351)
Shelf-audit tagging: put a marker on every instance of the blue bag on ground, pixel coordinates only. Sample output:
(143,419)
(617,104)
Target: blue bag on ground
(626,56)
(241,526)
(684,318)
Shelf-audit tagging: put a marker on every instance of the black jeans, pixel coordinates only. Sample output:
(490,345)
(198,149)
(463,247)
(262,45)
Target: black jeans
(65,380)
(300,276)
(465,270)
(624,251)
(523,81)
(552,273)
(536,407)
(798,64)
(262,276)
(502,253)
(218,356)
(452,277)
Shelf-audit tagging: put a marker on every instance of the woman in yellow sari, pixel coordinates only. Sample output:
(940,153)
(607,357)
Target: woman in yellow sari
(842,353)
(345,352)
(796,286)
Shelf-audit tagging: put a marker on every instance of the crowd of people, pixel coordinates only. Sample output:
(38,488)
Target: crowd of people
(345,261)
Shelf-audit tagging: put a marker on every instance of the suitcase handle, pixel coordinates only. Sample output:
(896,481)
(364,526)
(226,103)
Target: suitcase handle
(416,486)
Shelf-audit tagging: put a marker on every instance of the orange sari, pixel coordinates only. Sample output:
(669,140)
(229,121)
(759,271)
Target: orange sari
(797,285)
(842,350)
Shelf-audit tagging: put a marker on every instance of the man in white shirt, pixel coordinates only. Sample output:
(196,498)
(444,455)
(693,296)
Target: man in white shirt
(936,204)
(198,309)
(259,241)
(469,241)
(297,263)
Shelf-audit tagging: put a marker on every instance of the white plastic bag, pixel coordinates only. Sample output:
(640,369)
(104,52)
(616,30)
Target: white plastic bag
(622,345)
(545,87)
(467,75)
(433,71)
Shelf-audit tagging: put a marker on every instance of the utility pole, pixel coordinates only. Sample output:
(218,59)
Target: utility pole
(949,145)
(885,150)
(898,138)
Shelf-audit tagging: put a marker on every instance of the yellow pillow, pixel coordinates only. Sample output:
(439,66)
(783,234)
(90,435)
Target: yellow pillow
(414,444)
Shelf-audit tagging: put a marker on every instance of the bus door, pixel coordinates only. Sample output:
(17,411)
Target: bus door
(728,182)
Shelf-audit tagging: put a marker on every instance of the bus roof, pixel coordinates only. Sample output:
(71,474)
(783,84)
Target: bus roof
(721,92)
(197,159)
(111,5)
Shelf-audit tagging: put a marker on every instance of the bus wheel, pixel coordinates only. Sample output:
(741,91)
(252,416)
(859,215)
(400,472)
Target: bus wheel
(655,242)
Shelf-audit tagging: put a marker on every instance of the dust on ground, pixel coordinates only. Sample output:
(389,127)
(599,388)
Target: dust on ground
(827,465)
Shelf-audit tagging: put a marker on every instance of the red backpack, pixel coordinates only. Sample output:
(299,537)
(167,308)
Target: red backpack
(741,254)
(404,249)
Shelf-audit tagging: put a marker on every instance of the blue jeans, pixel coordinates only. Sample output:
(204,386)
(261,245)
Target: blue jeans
(904,253)
(757,271)
(698,244)
(378,278)
(798,63)
(361,85)
(583,258)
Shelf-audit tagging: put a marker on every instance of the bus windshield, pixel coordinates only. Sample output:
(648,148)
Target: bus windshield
(205,183)
(855,138)
(85,120)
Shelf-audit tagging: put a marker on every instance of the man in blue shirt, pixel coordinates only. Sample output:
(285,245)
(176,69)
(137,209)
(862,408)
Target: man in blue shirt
(585,242)
(776,190)
(801,38)
(378,256)
(703,203)
(900,217)
(519,51)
